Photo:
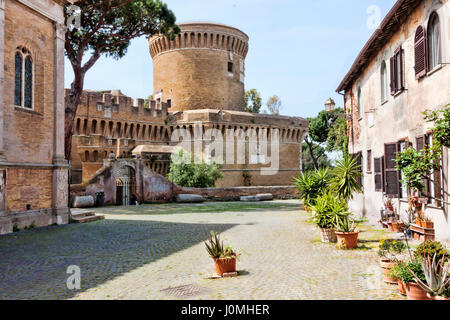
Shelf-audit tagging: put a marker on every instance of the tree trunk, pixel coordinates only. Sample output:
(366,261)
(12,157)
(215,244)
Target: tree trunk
(72,100)
(311,152)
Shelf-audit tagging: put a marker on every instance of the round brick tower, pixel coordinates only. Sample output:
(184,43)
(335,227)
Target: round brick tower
(202,68)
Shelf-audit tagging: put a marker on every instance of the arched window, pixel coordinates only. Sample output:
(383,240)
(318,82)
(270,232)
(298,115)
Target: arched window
(384,83)
(359,103)
(434,42)
(23,82)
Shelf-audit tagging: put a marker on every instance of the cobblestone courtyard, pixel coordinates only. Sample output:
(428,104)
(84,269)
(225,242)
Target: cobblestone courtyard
(139,251)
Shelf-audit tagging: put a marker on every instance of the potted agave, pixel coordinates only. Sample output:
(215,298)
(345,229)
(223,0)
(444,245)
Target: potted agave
(224,256)
(388,251)
(436,275)
(347,235)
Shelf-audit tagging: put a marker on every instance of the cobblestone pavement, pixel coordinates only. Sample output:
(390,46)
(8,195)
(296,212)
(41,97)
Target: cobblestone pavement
(139,251)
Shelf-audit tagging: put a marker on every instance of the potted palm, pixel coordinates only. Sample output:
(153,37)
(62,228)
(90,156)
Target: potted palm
(224,256)
(388,250)
(347,235)
(328,208)
(311,184)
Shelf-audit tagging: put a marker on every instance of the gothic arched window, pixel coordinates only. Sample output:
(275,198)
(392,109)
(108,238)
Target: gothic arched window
(23,83)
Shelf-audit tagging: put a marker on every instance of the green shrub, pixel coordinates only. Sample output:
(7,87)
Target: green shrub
(187,173)
(430,248)
(312,184)
(400,271)
(327,210)
(388,249)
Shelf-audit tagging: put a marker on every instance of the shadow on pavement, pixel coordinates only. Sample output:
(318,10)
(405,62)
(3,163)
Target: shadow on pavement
(33,264)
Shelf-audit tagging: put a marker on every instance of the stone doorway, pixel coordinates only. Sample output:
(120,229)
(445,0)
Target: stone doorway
(125,185)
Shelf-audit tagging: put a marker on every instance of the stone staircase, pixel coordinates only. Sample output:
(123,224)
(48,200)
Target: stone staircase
(79,216)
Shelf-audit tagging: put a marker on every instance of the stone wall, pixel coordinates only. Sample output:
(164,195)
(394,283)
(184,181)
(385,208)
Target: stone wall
(32,139)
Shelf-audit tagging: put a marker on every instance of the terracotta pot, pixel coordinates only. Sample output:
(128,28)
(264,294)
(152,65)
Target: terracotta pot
(414,292)
(437,298)
(401,287)
(386,266)
(396,227)
(347,240)
(418,205)
(390,227)
(390,208)
(225,266)
(328,235)
(428,224)
(418,223)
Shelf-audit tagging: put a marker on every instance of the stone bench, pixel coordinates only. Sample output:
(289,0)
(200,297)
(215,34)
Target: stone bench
(189,198)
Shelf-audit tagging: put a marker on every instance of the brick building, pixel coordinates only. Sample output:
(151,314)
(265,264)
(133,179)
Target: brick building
(198,86)
(33,171)
(402,71)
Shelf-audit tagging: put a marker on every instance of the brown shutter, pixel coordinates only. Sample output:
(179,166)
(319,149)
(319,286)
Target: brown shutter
(420,143)
(420,53)
(377,167)
(437,174)
(391,175)
(393,75)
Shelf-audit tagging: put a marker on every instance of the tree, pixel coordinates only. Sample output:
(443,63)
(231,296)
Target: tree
(107,27)
(274,105)
(321,157)
(186,173)
(254,97)
(329,129)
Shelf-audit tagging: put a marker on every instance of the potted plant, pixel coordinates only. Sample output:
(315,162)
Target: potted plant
(388,250)
(431,248)
(436,276)
(347,235)
(396,273)
(389,204)
(413,290)
(311,184)
(327,209)
(224,256)
(427,223)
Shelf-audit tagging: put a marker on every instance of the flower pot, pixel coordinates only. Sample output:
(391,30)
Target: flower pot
(390,208)
(396,227)
(347,240)
(418,223)
(328,235)
(428,224)
(414,292)
(418,205)
(225,266)
(437,297)
(386,266)
(401,287)
(390,227)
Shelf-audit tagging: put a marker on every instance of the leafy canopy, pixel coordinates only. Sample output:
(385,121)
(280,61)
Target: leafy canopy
(108,26)
(253,101)
(187,173)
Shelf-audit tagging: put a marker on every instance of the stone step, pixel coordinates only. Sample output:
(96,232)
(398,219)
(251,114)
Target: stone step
(88,219)
(81,214)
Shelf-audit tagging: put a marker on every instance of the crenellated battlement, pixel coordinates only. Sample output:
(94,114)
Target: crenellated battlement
(114,104)
(202,36)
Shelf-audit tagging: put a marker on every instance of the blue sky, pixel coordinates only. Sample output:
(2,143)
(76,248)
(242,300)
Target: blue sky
(299,50)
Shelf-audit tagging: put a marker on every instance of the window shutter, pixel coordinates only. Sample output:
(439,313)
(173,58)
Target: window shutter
(420,143)
(377,166)
(420,52)
(437,174)
(391,175)
(392,69)
(358,157)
